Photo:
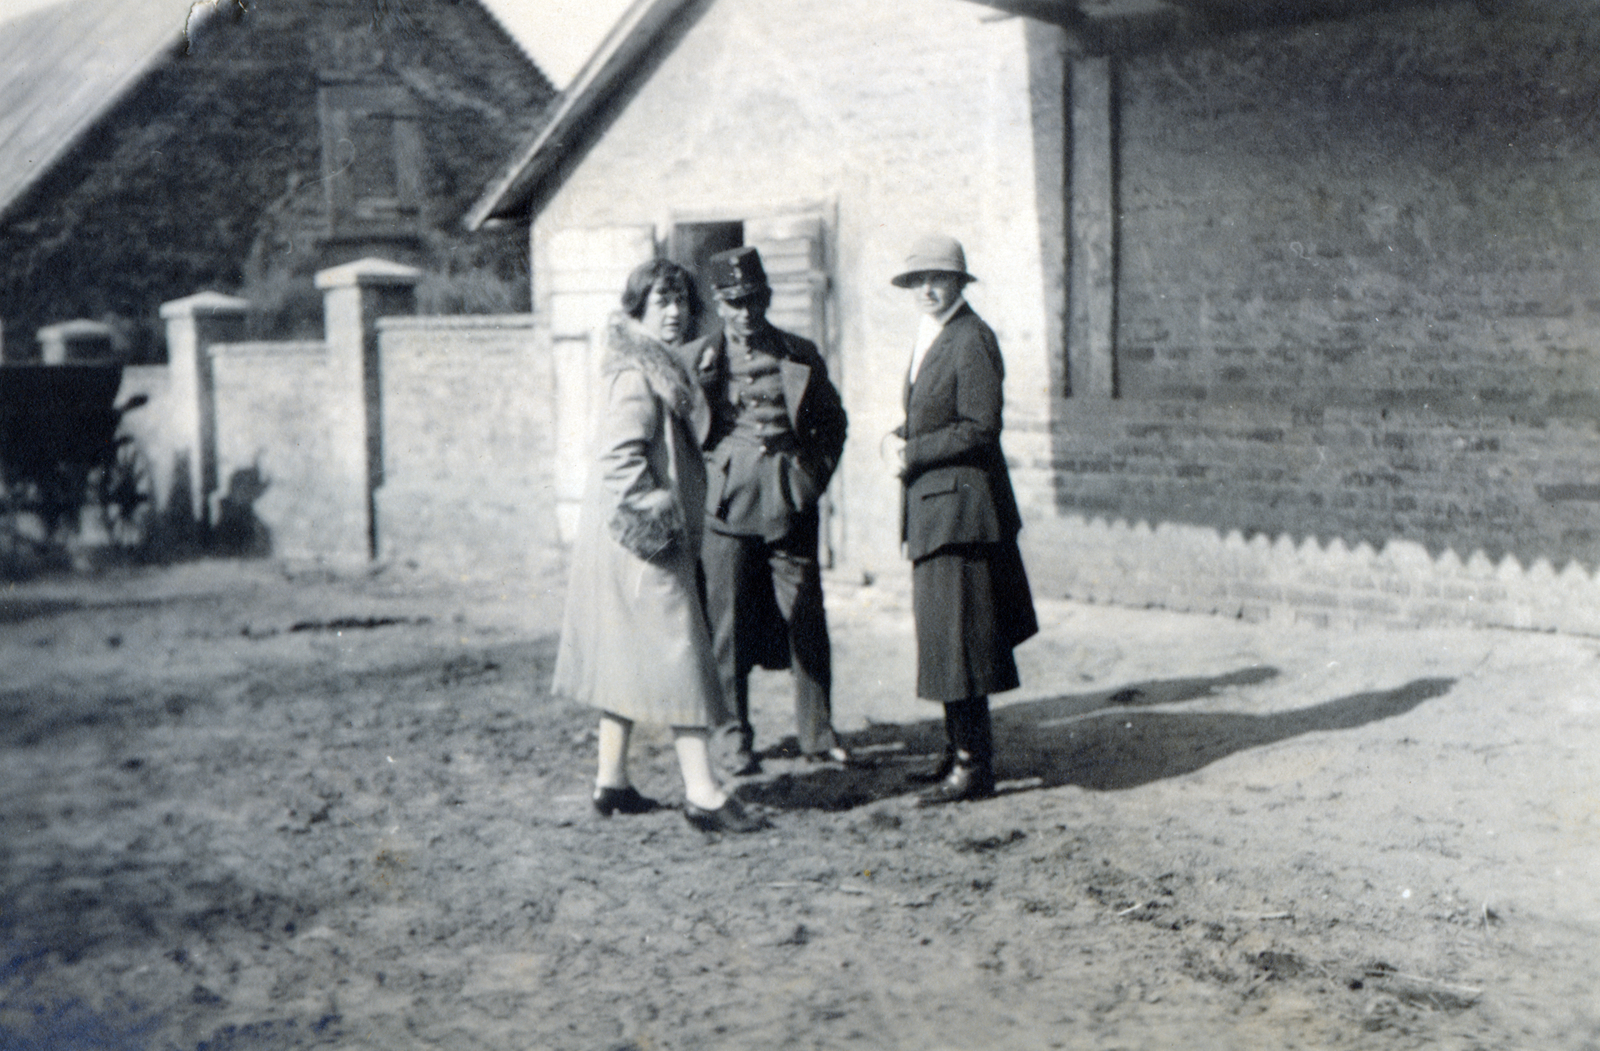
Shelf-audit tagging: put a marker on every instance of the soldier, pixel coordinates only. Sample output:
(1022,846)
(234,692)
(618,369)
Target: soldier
(777,431)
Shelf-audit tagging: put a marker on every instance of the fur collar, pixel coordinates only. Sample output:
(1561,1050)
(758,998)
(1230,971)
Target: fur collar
(629,346)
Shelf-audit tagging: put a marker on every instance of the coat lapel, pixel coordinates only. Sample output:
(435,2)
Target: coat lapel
(795,377)
(934,359)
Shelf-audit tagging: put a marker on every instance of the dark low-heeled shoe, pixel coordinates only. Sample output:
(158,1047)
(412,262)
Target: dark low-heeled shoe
(964,784)
(608,801)
(729,817)
(837,754)
(935,774)
(745,764)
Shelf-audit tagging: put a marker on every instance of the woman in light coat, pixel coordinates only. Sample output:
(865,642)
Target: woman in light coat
(634,639)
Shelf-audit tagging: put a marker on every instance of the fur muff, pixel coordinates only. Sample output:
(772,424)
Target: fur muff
(650,531)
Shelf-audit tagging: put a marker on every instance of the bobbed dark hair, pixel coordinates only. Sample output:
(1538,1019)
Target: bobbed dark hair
(664,272)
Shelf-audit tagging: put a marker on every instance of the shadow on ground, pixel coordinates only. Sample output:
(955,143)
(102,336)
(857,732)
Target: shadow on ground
(1103,741)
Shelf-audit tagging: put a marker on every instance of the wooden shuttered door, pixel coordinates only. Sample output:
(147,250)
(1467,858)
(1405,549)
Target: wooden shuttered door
(585,271)
(792,251)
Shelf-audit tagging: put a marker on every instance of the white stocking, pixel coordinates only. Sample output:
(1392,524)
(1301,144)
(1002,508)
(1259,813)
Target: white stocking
(613,749)
(694,759)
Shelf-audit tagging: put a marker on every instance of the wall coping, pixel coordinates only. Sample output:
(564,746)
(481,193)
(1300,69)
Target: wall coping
(204,304)
(458,321)
(367,272)
(73,329)
(264,348)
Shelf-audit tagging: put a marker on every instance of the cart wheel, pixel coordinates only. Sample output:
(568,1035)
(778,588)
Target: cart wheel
(126,495)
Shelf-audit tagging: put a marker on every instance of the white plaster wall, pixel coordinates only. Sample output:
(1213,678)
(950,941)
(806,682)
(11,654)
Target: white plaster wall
(905,118)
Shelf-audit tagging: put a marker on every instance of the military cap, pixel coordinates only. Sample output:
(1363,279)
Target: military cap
(737,273)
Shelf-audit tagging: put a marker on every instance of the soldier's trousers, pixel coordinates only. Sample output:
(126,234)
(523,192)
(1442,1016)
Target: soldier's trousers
(763,598)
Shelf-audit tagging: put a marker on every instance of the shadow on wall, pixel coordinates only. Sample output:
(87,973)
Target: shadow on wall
(1102,741)
(239,531)
(174,532)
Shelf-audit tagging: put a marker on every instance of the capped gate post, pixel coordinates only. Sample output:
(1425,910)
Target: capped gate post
(182,447)
(355,295)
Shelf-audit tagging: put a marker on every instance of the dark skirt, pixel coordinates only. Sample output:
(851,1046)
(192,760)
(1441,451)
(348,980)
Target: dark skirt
(972,606)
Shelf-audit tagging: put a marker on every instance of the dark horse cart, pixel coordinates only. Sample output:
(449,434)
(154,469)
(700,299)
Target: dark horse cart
(63,458)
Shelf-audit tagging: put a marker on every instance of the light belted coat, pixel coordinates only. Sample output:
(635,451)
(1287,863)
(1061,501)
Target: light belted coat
(634,640)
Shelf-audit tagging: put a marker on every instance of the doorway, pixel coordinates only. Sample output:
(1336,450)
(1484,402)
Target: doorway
(691,244)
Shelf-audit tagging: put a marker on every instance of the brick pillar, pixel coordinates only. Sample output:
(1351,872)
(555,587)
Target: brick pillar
(184,459)
(355,295)
(73,342)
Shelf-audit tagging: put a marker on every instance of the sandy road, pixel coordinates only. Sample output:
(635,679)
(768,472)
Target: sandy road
(248,808)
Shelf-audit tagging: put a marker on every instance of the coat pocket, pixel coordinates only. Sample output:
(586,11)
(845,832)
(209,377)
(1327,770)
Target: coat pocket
(950,505)
(716,463)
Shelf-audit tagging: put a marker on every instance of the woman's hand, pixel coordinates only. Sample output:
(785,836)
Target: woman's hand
(892,450)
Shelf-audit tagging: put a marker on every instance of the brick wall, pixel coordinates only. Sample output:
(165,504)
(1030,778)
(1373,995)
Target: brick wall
(467,448)
(1344,514)
(275,403)
(1392,211)
(1357,320)
(468,443)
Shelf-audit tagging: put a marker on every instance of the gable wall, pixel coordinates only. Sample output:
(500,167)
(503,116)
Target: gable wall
(209,174)
(891,125)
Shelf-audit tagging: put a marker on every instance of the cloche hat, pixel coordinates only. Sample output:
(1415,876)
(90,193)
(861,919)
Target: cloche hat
(935,253)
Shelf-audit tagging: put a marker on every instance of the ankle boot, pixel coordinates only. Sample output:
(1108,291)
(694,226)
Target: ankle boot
(971,774)
(947,761)
(939,772)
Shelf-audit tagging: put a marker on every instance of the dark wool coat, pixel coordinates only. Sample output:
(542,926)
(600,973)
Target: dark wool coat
(634,638)
(957,502)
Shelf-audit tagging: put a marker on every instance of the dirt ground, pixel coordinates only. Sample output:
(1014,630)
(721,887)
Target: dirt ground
(250,807)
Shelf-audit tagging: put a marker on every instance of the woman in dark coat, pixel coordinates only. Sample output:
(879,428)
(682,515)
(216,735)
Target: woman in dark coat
(959,520)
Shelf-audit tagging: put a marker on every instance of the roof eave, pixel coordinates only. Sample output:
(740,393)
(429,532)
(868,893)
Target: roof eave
(617,65)
(1102,27)
(142,66)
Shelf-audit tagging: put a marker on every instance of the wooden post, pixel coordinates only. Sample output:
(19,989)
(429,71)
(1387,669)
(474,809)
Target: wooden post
(1093,342)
